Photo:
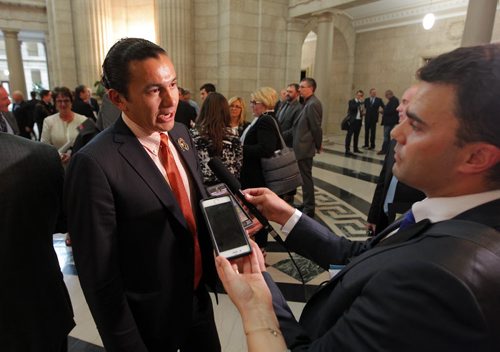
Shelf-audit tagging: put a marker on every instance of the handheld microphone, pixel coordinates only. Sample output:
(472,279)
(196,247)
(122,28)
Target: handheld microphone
(225,176)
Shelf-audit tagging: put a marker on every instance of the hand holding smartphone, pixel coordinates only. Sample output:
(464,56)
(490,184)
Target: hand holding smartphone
(226,231)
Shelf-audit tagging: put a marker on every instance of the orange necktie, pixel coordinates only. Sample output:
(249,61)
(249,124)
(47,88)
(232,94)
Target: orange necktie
(177,186)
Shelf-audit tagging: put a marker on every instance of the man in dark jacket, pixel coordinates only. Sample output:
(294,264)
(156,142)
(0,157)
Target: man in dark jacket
(389,119)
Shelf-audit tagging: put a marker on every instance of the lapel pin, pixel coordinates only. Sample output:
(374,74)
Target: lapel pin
(182,143)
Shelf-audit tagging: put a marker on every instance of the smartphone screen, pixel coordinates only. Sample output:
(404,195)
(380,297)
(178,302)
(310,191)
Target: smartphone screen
(221,189)
(228,235)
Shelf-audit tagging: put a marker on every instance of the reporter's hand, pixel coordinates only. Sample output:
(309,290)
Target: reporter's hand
(371,227)
(269,204)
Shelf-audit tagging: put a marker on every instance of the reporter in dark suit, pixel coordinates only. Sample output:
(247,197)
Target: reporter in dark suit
(390,119)
(289,112)
(141,249)
(373,104)
(392,197)
(428,282)
(36,313)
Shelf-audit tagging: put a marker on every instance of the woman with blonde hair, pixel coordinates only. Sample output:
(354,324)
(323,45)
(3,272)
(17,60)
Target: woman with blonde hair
(237,110)
(259,140)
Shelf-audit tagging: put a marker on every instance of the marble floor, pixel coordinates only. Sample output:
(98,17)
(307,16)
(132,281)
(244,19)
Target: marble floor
(344,189)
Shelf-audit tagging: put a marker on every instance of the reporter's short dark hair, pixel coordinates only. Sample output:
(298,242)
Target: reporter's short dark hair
(115,68)
(474,73)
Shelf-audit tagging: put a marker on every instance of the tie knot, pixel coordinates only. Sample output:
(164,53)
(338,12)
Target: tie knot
(163,140)
(408,219)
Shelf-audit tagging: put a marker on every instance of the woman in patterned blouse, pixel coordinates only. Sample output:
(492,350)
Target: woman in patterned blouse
(213,137)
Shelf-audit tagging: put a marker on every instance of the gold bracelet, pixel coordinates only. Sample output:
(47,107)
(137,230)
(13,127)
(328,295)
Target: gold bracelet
(273,332)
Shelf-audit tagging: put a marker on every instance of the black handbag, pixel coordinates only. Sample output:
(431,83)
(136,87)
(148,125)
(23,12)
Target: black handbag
(346,123)
(281,171)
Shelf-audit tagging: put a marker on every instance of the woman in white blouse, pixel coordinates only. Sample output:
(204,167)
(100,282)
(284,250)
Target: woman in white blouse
(61,129)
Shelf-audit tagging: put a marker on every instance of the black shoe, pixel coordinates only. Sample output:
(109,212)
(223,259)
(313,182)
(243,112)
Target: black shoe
(358,151)
(371,148)
(348,153)
(381,152)
(365,147)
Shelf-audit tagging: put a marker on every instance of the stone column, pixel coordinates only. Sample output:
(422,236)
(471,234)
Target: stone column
(60,44)
(479,22)
(92,30)
(14,61)
(294,40)
(175,35)
(323,61)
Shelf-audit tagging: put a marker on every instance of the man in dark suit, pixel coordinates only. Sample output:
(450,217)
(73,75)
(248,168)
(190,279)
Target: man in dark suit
(8,123)
(356,111)
(43,109)
(392,197)
(81,104)
(390,119)
(141,249)
(288,112)
(185,114)
(307,139)
(429,282)
(373,104)
(36,313)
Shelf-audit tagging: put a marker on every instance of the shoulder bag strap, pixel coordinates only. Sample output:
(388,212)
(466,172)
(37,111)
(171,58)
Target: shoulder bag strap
(283,145)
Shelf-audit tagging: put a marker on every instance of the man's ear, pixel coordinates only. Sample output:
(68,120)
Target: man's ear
(481,157)
(117,99)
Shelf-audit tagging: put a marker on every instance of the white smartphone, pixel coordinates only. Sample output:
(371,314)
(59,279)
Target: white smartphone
(227,233)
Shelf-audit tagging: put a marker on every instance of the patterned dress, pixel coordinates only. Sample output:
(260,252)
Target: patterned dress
(231,156)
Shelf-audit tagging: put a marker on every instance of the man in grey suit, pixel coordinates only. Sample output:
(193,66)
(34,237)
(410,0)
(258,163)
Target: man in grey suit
(36,309)
(307,137)
(8,122)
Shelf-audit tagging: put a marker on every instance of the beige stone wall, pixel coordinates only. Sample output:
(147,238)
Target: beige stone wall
(389,58)
(240,45)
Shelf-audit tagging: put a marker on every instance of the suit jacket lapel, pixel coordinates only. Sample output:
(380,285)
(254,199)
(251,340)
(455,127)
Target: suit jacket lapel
(138,159)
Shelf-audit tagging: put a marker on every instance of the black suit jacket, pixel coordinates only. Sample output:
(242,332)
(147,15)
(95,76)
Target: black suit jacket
(82,108)
(36,313)
(185,113)
(287,120)
(353,108)
(422,290)
(261,141)
(404,195)
(131,243)
(372,110)
(390,117)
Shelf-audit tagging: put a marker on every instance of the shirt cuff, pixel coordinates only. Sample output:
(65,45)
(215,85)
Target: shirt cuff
(290,224)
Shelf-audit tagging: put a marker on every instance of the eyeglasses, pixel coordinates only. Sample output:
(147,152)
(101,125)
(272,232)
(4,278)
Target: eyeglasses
(234,107)
(63,101)
(254,102)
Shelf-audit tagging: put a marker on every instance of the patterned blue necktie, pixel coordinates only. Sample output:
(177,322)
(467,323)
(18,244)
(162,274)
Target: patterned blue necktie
(408,220)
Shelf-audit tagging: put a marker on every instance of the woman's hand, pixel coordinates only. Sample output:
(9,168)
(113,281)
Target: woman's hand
(243,281)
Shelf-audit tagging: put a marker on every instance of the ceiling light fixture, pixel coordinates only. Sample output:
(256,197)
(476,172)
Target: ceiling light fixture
(428,21)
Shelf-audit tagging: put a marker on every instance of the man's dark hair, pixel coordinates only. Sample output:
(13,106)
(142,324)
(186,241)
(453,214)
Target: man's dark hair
(360,91)
(209,87)
(474,73)
(115,68)
(44,93)
(33,94)
(78,90)
(64,91)
(295,85)
(311,82)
